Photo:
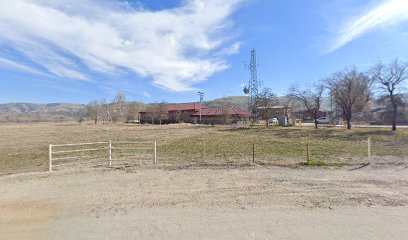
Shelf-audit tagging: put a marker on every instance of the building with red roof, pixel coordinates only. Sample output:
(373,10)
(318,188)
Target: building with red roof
(222,115)
(190,113)
(170,113)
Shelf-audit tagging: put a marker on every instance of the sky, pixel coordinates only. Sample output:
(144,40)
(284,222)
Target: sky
(80,50)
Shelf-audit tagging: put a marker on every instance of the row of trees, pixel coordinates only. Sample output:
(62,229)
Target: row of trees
(157,113)
(351,90)
(115,111)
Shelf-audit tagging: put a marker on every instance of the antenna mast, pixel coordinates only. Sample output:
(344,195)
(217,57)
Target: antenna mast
(254,82)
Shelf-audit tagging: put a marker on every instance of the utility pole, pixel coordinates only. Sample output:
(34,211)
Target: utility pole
(201,95)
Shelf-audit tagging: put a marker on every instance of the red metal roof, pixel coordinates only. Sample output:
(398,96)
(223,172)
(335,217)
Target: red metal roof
(212,112)
(274,107)
(185,107)
(179,107)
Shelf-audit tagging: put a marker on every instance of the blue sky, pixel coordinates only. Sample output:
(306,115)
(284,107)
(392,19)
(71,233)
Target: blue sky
(80,50)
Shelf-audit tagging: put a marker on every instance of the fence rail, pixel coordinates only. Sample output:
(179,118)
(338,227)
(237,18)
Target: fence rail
(111,153)
(77,144)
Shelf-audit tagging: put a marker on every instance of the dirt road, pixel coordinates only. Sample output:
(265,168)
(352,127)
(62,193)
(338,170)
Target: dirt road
(206,202)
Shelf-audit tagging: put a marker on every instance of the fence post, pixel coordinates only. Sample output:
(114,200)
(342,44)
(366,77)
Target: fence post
(253,153)
(50,157)
(203,149)
(307,152)
(155,159)
(110,153)
(369,147)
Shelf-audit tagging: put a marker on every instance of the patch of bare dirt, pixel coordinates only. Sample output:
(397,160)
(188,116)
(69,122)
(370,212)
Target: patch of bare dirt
(207,201)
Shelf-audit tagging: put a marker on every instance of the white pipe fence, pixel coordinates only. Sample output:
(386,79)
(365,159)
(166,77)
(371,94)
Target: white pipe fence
(113,152)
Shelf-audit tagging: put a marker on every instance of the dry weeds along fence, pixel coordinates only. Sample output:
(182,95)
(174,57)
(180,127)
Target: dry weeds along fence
(281,150)
(24,147)
(306,151)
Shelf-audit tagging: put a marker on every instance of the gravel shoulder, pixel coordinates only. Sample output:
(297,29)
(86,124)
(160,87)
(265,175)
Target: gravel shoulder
(206,202)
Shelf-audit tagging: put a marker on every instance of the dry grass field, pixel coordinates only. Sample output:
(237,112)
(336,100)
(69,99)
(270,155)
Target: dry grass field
(24,146)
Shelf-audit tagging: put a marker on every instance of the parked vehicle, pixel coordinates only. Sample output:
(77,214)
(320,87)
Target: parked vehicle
(323,120)
(274,121)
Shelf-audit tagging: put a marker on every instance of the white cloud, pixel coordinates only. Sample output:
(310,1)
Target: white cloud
(387,13)
(176,48)
(21,67)
(230,50)
(146,94)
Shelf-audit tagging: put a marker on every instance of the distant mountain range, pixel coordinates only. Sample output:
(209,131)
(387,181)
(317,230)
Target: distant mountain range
(33,108)
(236,101)
(69,111)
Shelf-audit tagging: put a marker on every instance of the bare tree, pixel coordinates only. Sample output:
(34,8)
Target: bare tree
(351,90)
(225,107)
(132,111)
(105,111)
(309,99)
(265,100)
(150,115)
(385,113)
(162,113)
(390,79)
(226,117)
(117,106)
(184,116)
(177,116)
(159,112)
(94,110)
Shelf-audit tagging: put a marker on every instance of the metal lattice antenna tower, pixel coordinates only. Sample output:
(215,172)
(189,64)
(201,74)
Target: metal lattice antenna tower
(254,82)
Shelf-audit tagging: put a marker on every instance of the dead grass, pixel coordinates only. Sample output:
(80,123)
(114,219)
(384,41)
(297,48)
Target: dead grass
(24,146)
